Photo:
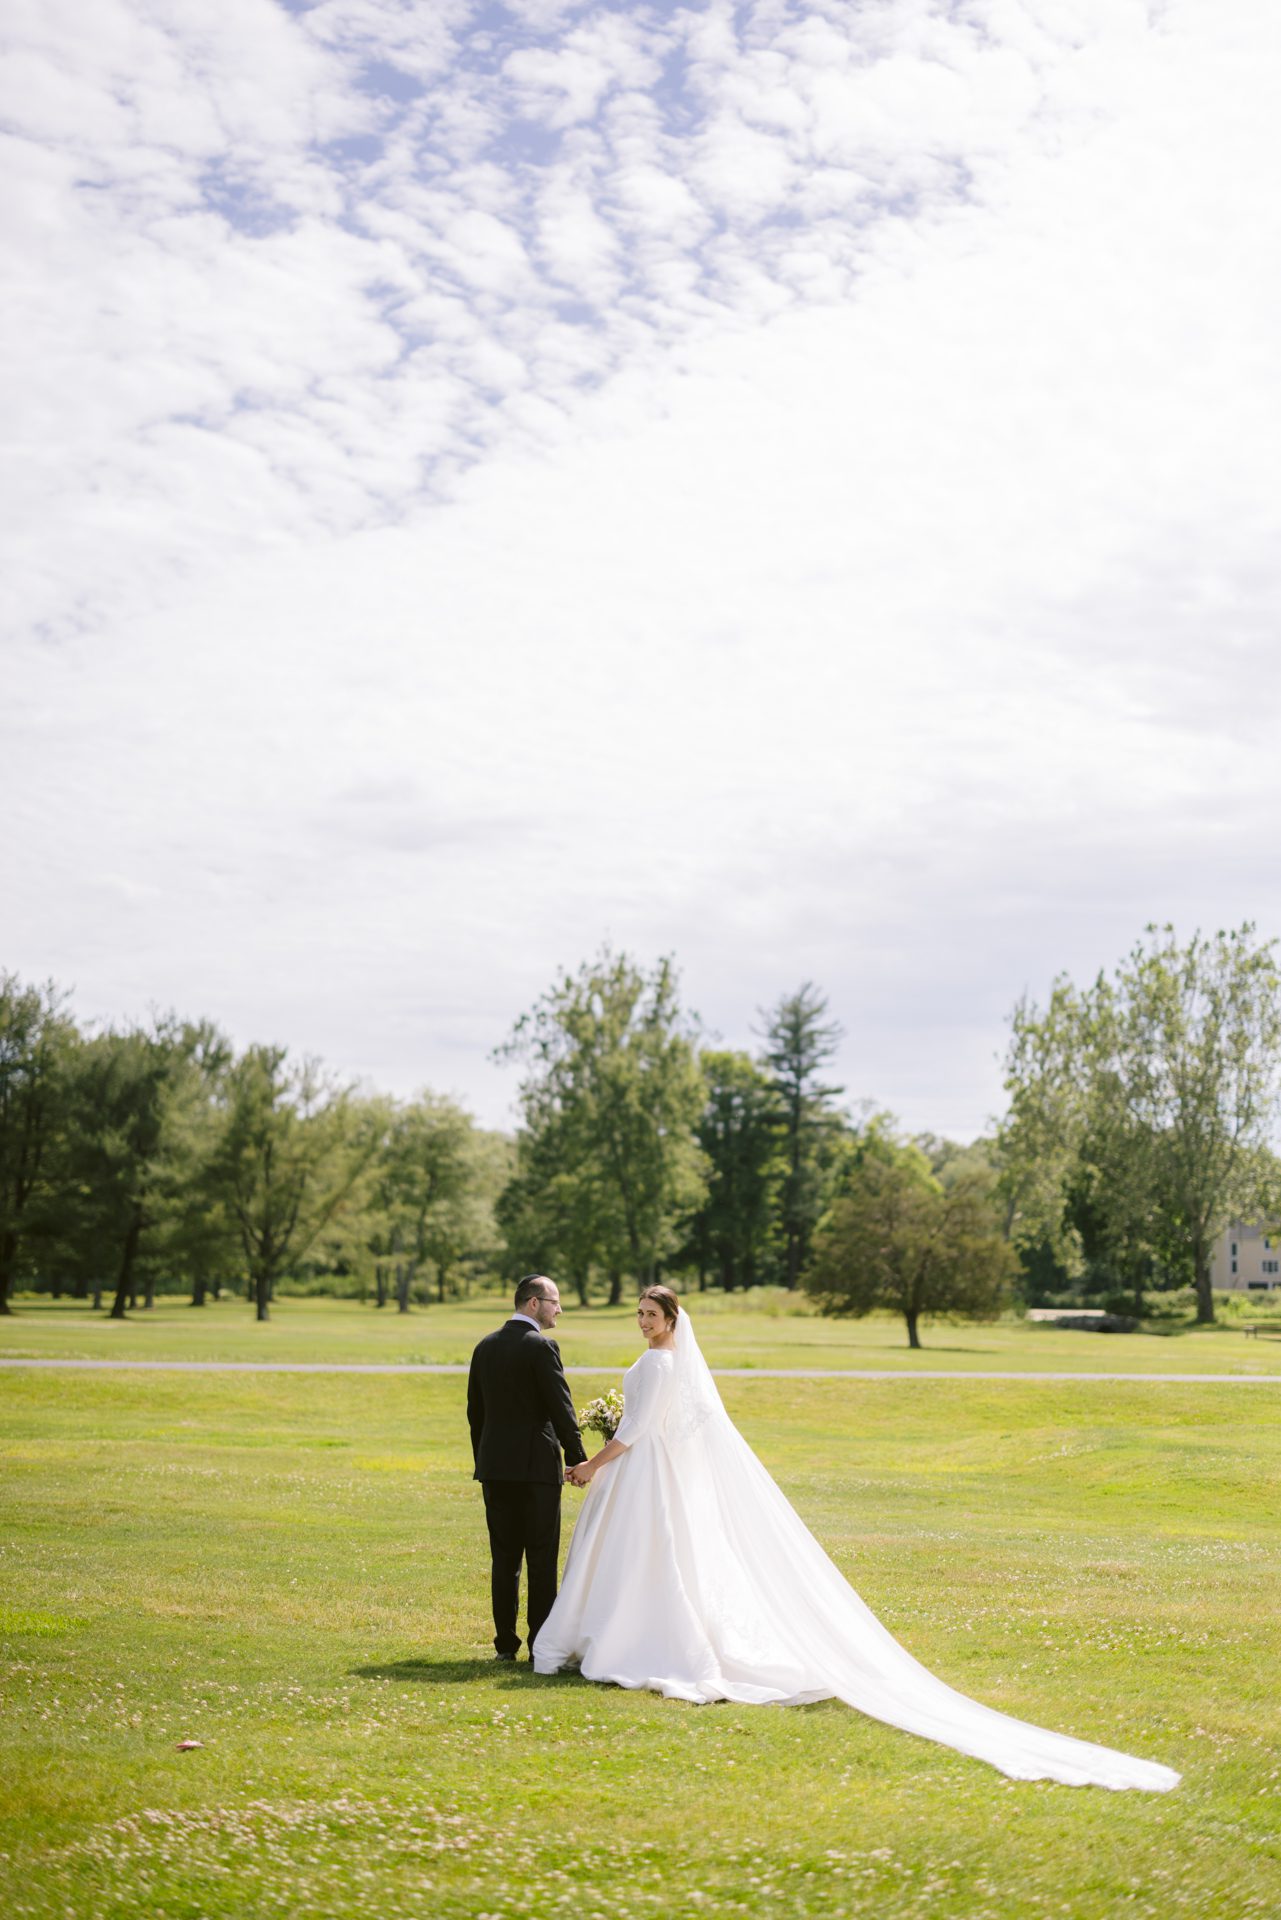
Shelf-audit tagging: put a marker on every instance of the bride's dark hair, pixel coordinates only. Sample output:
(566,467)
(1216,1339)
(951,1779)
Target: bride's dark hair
(667,1301)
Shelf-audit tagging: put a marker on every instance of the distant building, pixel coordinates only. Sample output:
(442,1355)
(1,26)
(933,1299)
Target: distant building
(1247,1260)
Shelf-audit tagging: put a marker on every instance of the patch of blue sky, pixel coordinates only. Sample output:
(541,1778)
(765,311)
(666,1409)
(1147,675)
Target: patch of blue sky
(387,82)
(364,148)
(527,143)
(494,20)
(683,111)
(576,313)
(243,202)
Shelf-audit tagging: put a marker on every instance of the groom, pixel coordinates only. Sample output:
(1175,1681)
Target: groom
(521,1415)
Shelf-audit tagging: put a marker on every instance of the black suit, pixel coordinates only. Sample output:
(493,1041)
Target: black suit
(521,1415)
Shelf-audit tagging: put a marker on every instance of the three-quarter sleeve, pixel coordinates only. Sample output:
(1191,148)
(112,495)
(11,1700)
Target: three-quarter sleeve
(645,1392)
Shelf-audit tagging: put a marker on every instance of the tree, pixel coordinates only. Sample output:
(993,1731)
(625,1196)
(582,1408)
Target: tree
(289,1161)
(194,1234)
(735,1231)
(897,1238)
(429,1185)
(799,1040)
(122,1091)
(554,1212)
(611,1095)
(35,1040)
(1146,1105)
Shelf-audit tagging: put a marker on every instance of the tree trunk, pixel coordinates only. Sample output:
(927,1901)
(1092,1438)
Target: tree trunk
(198,1291)
(405,1280)
(615,1287)
(261,1283)
(580,1283)
(913,1337)
(792,1223)
(125,1289)
(149,1292)
(1204,1290)
(380,1284)
(217,1291)
(8,1263)
(97,1296)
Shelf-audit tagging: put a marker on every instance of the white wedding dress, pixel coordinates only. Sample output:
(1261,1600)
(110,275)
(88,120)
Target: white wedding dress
(690,1573)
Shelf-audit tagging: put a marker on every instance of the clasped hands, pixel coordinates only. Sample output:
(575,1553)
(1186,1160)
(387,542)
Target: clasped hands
(579,1476)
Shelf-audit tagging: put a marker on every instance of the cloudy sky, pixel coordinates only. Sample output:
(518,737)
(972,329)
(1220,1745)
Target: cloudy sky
(792,484)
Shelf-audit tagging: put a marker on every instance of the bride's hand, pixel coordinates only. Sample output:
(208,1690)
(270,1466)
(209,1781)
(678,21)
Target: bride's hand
(579,1476)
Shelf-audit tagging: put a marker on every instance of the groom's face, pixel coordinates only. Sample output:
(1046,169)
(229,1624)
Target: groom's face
(547,1306)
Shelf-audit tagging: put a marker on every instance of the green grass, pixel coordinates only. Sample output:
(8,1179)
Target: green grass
(763,1329)
(291,1569)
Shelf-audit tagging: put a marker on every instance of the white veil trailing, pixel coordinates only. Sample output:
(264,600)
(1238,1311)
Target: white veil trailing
(778,1622)
(695,1397)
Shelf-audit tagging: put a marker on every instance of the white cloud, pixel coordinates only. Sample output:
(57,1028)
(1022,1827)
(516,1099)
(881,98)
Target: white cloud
(822,521)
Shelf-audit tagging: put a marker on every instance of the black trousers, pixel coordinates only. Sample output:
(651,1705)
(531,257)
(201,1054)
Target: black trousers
(524,1524)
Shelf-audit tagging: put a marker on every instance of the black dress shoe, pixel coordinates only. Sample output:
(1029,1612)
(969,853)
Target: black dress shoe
(504,1656)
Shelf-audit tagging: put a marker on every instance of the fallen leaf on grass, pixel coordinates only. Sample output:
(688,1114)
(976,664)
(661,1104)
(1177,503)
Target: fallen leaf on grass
(185,1746)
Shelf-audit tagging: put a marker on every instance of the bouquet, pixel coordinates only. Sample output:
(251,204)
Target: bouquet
(602,1416)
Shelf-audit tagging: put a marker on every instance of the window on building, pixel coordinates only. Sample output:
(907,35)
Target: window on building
(1272,1266)
(1234,1266)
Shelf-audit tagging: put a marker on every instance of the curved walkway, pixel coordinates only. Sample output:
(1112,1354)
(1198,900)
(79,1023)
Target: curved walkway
(724,1373)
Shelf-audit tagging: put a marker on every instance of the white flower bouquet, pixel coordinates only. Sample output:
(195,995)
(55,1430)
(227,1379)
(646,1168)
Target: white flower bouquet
(603,1415)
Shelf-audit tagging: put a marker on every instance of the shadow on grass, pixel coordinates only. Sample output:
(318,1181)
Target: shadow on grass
(445,1673)
(507,1675)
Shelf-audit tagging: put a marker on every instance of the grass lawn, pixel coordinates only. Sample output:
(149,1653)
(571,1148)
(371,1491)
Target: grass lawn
(762,1329)
(291,1569)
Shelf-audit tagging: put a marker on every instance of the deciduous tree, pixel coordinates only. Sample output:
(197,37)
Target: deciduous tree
(897,1238)
(36,1039)
(290,1159)
(1151,1098)
(611,1095)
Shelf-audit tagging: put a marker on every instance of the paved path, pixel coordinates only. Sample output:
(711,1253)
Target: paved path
(725,1373)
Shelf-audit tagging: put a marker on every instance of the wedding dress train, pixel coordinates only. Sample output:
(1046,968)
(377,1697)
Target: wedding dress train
(690,1573)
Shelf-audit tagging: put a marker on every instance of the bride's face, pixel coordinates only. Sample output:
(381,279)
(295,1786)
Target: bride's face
(651,1319)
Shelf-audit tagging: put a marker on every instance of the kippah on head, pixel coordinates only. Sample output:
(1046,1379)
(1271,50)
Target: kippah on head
(531,1288)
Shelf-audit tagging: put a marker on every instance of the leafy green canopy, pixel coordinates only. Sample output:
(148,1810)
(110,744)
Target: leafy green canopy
(1143,1109)
(608,1167)
(897,1237)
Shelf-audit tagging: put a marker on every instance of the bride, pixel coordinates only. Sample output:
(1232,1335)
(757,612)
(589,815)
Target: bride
(691,1574)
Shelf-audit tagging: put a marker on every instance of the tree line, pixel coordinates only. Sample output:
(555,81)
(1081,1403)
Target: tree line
(142,1159)
(1140,1120)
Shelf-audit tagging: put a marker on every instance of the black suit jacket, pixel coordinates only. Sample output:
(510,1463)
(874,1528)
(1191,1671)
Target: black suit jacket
(519,1409)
